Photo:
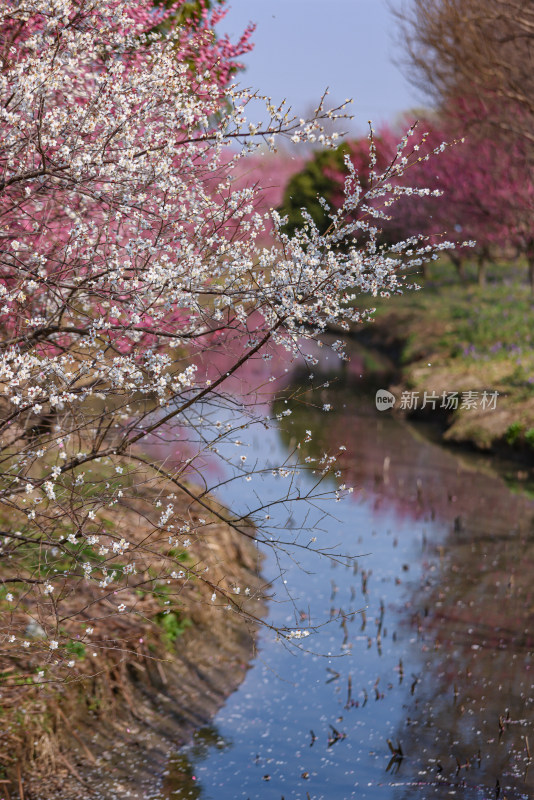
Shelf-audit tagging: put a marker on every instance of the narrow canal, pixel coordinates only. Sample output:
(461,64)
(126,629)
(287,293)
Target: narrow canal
(421,685)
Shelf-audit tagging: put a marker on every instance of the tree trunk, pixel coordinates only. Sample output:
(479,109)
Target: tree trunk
(459,264)
(530,259)
(529,255)
(481,269)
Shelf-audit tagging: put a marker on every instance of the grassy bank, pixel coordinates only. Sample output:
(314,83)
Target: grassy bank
(142,681)
(456,336)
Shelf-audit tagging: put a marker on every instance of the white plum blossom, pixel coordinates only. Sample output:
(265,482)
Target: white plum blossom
(48,487)
(297,634)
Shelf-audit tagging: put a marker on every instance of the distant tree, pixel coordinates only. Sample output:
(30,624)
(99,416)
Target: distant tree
(474,57)
(472,182)
(475,50)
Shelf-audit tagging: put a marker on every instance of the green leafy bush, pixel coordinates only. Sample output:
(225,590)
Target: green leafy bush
(513,433)
(174,626)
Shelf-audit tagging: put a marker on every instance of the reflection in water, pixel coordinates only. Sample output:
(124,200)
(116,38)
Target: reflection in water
(180,779)
(475,708)
(422,685)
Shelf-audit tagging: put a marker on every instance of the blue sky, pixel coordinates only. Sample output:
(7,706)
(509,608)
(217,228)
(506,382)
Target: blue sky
(303,46)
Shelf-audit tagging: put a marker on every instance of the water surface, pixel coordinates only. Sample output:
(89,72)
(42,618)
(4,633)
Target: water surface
(421,686)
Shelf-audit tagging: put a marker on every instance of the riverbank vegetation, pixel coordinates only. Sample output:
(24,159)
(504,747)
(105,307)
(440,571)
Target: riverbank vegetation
(129,675)
(457,336)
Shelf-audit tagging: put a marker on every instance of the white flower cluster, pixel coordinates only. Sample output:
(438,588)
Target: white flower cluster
(297,634)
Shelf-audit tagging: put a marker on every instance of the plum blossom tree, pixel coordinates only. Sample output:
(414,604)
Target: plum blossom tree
(133,290)
(486,189)
(323,178)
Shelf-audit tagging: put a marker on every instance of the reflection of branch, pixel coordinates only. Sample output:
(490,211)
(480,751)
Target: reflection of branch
(396,758)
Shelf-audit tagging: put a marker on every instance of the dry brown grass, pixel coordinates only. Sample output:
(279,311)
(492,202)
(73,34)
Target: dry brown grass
(130,659)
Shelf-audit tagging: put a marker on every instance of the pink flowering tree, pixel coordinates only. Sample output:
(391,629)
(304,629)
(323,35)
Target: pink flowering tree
(133,292)
(486,184)
(472,185)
